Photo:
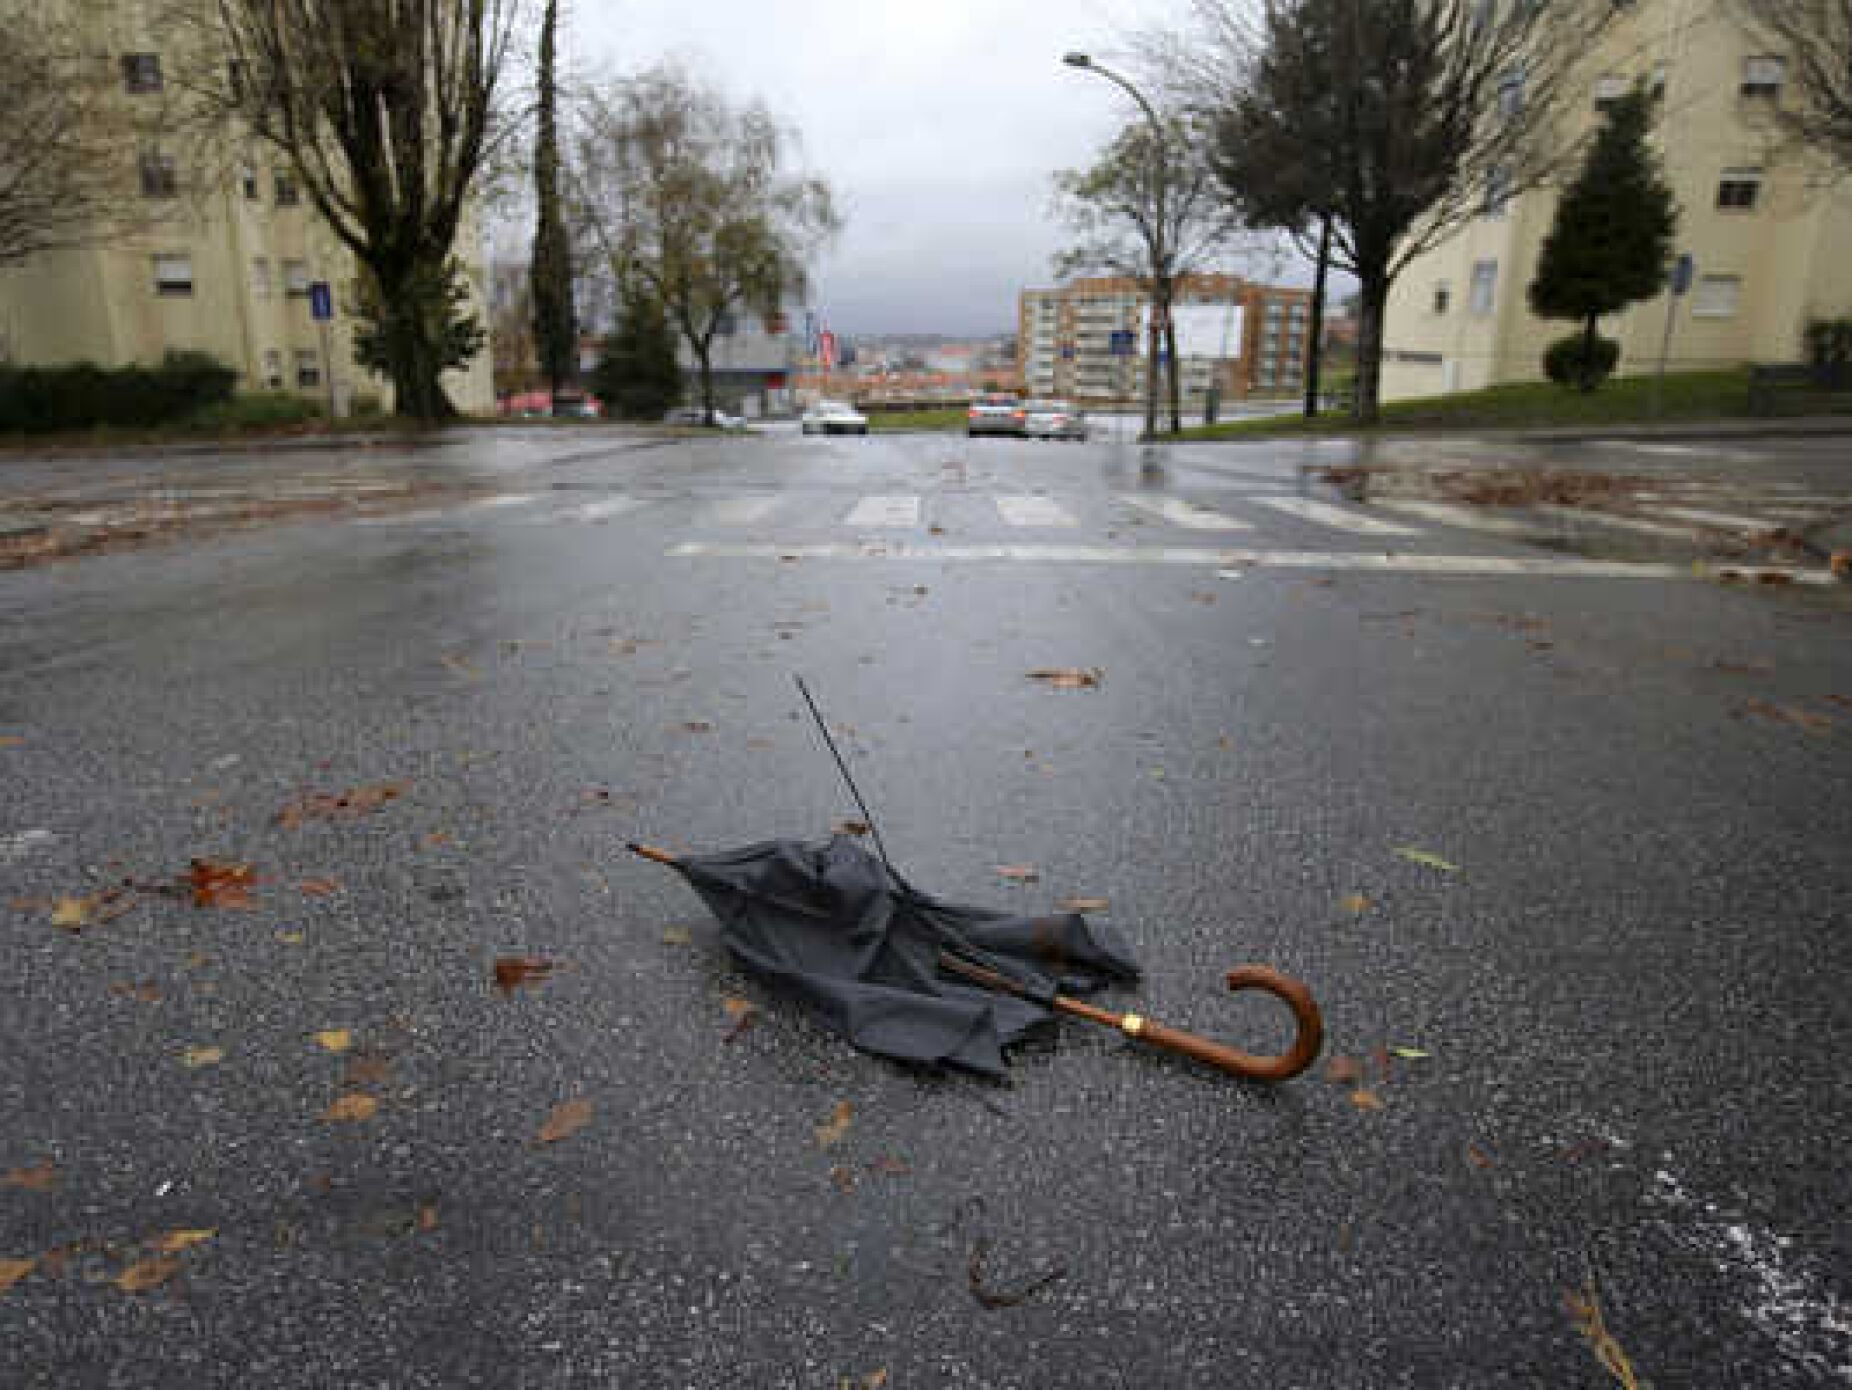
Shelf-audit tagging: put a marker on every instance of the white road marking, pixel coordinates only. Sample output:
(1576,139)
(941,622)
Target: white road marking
(1034,511)
(1325,514)
(885,512)
(513,499)
(1717,521)
(1185,514)
(600,511)
(740,511)
(1624,523)
(1453,514)
(1534,566)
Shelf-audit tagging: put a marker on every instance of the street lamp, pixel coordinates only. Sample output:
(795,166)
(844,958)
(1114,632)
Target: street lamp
(1160,274)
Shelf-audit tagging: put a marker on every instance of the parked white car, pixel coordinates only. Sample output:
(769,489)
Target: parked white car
(1053,420)
(834,417)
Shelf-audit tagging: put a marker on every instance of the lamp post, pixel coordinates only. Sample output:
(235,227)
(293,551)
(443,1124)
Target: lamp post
(1160,252)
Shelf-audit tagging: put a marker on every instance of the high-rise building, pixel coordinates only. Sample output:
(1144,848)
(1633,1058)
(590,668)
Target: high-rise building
(1757,219)
(226,249)
(1087,341)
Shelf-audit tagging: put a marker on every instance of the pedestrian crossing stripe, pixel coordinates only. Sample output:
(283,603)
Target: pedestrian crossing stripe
(1325,514)
(885,513)
(1033,512)
(1187,515)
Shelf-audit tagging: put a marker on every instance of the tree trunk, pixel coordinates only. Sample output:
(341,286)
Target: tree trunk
(1154,349)
(704,354)
(1315,348)
(1373,297)
(1170,371)
(411,361)
(1590,380)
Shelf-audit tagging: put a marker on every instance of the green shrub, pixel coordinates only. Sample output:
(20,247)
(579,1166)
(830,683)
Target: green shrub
(40,400)
(1571,362)
(257,411)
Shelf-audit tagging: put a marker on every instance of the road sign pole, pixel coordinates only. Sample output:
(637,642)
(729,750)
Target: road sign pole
(321,309)
(1679,283)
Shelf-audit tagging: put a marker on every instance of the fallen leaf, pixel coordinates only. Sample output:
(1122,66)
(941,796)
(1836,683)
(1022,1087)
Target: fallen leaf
(894,1167)
(1478,1157)
(73,914)
(334,1039)
(512,972)
(1354,902)
(427,1216)
(12,1271)
(1841,564)
(197,1057)
(676,936)
(11,741)
(41,1177)
(1843,701)
(742,1012)
(460,666)
(1084,905)
(1201,597)
(1422,856)
(221,885)
(435,840)
(567,1119)
(1410,1054)
(1019,873)
(1585,1313)
(147,991)
(1068,677)
(366,1069)
(355,801)
(352,1108)
(1343,1071)
(844,1178)
(173,1242)
(1788,714)
(292,938)
(1366,1099)
(147,1274)
(851,827)
(319,887)
(831,1132)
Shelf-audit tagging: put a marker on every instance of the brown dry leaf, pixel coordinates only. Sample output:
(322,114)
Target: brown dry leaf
(334,1039)
(197,1057)
(221,885)
(1343,1070)
(435,840)
(355,801)
(512,972)
(352,1108)
(676,936)
(366,1069)
(844,1178)
(40,1177)
(11,741)
(741,1011)
(146,992)
(1084,905)
(147,1274)
(567,1119)
(292,938)
(1354,902)
(1841,564)
(319,887)
(1366,1100)
(1478,1157)
(427,1216)
(831,1132)
(850,827)
(12,1271)
(1585,1313)
(460,666)
(1019,873)
(73,914)
(173,1242)
(1068,677)
(1788,714)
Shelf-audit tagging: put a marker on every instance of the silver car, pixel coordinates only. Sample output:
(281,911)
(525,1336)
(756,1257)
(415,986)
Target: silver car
(1054,420)
(995,414)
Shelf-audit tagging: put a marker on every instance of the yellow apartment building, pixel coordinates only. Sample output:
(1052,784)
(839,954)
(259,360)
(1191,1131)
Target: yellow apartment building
(225,252)
(1758,219)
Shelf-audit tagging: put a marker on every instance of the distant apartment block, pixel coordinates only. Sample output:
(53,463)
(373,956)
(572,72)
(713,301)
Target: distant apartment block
(1234,335)
(223,263)
(1764,230)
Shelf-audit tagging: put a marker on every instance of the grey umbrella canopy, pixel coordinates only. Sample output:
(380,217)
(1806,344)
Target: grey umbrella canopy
(835,926)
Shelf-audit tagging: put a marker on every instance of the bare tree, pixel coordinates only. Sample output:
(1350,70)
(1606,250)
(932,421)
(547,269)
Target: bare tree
(1812,39)
(690,205)
(68,140)
(387,112)
(1394,122)
(1149,210)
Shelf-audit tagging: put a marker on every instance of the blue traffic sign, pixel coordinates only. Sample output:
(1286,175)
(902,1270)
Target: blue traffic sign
(1682,272)
(1123,342)
(321,301)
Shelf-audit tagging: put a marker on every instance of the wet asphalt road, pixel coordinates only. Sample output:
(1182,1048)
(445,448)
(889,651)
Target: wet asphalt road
(1631,989)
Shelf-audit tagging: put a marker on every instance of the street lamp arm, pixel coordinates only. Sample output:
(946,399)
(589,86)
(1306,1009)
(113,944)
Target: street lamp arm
(1081,60)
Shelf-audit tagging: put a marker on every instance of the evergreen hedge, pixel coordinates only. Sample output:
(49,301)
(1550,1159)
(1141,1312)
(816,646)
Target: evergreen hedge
(43,400)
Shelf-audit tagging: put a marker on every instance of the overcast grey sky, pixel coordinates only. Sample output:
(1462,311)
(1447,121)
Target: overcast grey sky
(938,123)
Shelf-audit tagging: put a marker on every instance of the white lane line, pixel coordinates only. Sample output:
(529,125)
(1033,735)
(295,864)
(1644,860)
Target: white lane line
(600,511)
(885,512)
(513,499)
(1453,514)
(1033,511)
(1535,567)
(1325,514)
(1719,521)
(1624,523)
(740,511)
(1185,514)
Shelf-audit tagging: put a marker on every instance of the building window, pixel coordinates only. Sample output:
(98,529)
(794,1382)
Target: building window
(1511,93)
(1763,76)
(296,279)
(159,178)
(1497,191)
(238,78)
(1716,296)
(247,180)
(1485,287)
(1443,298)
(1608,90)
(273,370)
(287,192)
(1656,84)
(308,370)
(260,277)
(1738,189)
(173,274)
(141,72)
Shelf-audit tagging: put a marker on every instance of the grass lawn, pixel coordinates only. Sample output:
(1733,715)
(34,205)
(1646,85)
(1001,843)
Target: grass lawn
(1531,405)
(951,417)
